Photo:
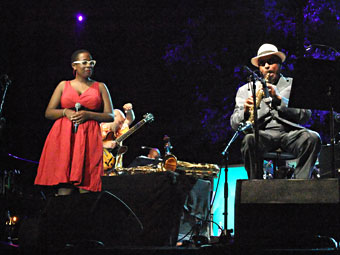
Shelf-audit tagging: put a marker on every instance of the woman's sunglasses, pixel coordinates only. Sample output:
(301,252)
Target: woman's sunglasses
(85,62)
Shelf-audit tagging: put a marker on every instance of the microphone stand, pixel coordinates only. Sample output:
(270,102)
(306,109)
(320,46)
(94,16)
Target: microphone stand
(225,158)
(253,78)
(335,174)
(258,165)
(4,87)
(242,127)
(7,83)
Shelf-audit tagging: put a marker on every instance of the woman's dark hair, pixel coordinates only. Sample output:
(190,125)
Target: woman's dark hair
(75,54)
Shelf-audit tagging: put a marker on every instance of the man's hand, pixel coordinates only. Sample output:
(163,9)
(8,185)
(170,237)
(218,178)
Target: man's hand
(273,91)
(109,144)
(127,107)
(248,104)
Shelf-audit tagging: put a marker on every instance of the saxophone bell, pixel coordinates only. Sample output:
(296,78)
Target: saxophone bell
(169,162)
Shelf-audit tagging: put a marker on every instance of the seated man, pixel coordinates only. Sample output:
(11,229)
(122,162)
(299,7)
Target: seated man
(154,153)
(279,126)
(152,159)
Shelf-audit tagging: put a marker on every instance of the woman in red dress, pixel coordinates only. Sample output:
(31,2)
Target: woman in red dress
(72,155)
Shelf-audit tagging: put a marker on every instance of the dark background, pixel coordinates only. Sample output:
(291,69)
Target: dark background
(180,60)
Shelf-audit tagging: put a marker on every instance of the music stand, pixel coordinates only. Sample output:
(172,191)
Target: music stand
(316,86)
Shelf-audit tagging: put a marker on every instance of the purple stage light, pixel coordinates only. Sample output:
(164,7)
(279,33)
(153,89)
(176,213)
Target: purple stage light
(80,17)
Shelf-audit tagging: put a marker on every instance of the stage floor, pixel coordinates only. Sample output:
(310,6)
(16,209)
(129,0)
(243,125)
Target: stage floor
(211,249)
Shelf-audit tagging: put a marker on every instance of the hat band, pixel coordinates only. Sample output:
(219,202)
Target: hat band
(268,51)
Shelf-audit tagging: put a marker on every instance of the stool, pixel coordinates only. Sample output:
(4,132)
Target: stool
(275,156)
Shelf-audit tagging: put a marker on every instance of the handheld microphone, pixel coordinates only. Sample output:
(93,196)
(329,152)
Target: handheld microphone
(77,107)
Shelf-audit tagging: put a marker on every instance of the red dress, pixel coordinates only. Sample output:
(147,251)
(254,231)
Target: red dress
(69,157)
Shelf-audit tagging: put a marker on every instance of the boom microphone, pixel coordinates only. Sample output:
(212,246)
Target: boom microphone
(336,116)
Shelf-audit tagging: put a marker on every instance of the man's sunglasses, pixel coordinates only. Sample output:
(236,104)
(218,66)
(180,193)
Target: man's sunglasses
(270,61)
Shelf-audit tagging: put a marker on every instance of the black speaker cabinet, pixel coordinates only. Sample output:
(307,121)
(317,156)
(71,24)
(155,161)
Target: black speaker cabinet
(325,160)
(286,213)
(157,199)
(82,218)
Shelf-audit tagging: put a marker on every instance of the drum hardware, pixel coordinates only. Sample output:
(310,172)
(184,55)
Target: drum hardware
(11,227)
(23,159)
(7,182)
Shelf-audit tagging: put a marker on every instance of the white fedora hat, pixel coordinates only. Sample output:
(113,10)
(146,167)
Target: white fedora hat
(266,50)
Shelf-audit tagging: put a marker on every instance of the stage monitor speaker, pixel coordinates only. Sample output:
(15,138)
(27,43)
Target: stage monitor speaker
(285,213)
(158,200)
(92,217)
(325,160)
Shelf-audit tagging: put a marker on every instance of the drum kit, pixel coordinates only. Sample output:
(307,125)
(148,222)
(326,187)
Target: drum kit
(17,201)
(12,191)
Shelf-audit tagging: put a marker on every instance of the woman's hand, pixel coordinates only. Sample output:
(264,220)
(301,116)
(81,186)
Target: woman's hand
(79,117)
(68,113)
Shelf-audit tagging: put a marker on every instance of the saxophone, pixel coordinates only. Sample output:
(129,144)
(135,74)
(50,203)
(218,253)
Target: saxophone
(259,97)
(169,162)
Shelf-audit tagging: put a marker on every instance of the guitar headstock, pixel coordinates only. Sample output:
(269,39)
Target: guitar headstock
(148,117)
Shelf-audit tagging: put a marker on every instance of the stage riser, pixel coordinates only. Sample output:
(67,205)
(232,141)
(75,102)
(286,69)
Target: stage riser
(283,213)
